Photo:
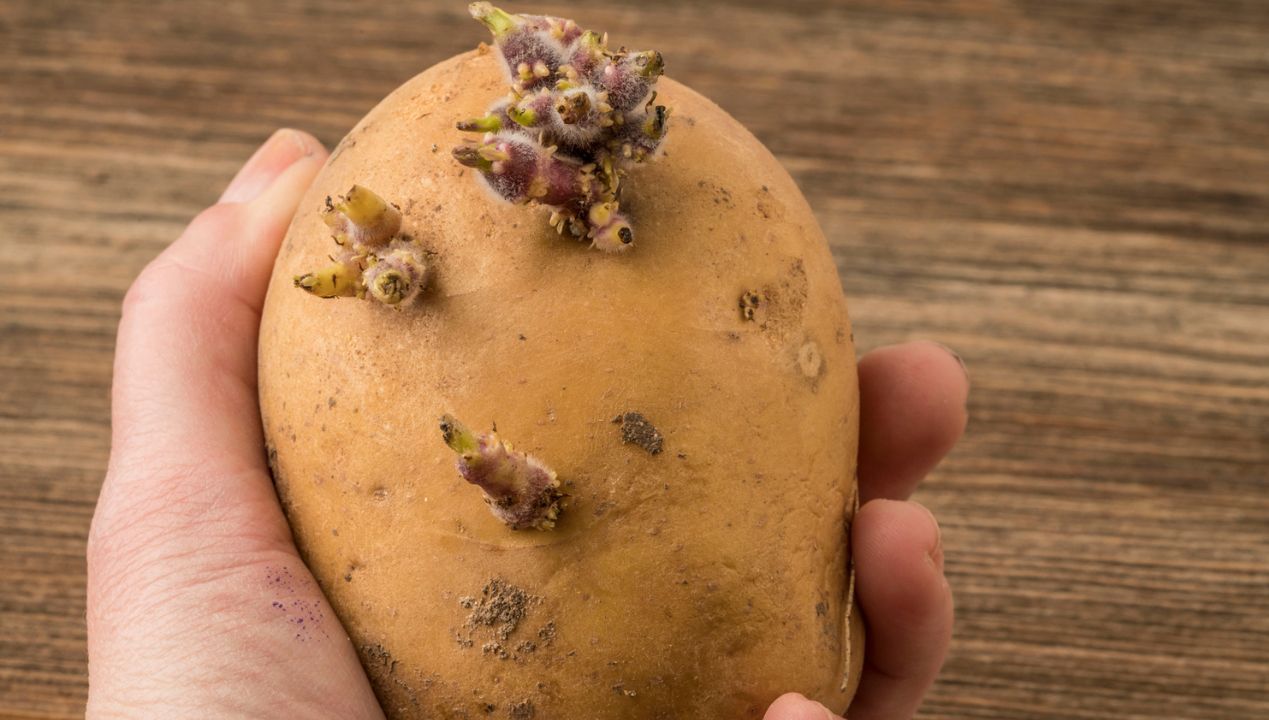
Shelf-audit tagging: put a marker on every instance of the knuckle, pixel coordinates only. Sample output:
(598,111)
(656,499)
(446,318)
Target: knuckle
(215,218)
(143,287)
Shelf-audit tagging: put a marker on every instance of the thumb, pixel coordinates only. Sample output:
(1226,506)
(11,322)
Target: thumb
(185,363)
(185,423)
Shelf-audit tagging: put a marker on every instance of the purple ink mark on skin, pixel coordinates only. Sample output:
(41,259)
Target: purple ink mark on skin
(294,609)
(279,577)
(304,616)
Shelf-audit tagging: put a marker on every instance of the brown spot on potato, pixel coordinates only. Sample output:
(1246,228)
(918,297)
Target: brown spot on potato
(753,306)
(810,360)
(271,457)
(636,430)
(546,633)
(718,194)
(376,655)
(501,606)
(776,307)
(620,689)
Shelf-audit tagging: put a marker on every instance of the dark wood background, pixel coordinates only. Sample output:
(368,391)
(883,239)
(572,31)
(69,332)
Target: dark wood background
(1074,194)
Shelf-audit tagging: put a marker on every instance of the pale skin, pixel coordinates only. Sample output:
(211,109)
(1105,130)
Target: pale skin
(187,526)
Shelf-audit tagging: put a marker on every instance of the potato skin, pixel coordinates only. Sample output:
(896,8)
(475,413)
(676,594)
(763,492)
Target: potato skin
(700,582)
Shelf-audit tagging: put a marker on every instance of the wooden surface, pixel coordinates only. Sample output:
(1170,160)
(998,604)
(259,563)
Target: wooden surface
(1074,194)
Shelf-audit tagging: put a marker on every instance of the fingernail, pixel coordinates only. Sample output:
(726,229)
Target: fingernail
(935,553)
(279,152)
(956,355)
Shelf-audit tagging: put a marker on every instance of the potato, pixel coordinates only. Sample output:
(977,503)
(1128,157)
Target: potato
(696,397)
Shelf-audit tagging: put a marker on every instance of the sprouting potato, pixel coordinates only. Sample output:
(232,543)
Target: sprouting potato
(613,273)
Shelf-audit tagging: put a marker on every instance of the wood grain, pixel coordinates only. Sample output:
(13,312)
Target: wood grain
(1075,195)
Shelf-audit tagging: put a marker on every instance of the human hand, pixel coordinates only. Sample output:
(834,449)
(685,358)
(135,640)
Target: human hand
(197,596)
(198,603)
(912,405)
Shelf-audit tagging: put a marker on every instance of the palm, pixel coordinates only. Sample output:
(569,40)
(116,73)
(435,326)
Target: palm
(199,603)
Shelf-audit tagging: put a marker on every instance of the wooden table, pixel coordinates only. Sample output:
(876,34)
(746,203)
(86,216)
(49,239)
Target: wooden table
(1074,194)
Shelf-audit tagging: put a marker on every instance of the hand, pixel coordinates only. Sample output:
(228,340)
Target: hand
(198,602)
(912,405)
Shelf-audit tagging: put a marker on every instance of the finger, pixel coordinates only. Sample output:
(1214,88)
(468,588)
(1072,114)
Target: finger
(912,411)
(278,153)
(794,706)
(186,357)
(906,605)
